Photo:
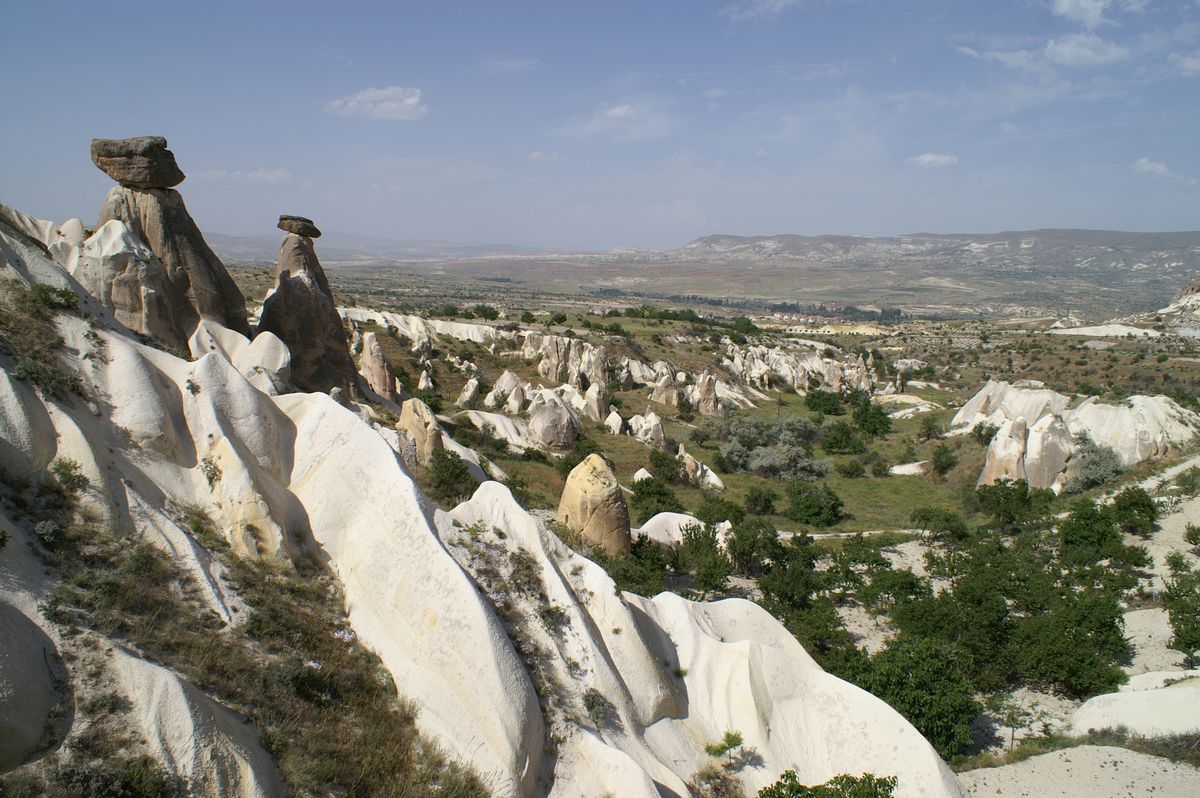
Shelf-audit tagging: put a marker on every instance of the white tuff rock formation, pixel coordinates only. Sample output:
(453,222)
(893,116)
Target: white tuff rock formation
(593,507)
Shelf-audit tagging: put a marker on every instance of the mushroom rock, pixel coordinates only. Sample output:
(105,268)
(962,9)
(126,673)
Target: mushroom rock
(300,311)
(552,424)
(419,422)
(593,506)
(469,393)
(376,369)
(614,423)
(141,162)
(298,225)
(665,392)
(707,403)
(155,213)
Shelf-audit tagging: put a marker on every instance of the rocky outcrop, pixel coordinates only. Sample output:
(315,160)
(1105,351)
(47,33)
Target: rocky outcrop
(127,278)
(469,393)
(614,423)
(29,665)
(200,287)
(594,406)
(811,365)
(300,311)
(505,385)
(552,424)
(142,162)
(569,360)
(697,473)
(1037,430)
(593,507)
(706,401)
(375,368)
(649,430)
(421,424)
(665,392)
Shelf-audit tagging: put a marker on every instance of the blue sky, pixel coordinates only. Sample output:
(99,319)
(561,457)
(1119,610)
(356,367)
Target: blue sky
(600,124)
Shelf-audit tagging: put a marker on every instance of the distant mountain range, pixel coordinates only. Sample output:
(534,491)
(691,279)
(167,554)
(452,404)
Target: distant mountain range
(1023,272)
(335,246)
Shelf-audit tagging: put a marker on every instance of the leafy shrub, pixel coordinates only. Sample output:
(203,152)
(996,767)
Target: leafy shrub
(750,542)
(942,460)
(851,469)
(826,402)
(1183,609)
(714,510)
(48,532)
(136,777)
(760,500)
(817,505)
(1014,505)
(924,680)
(582,447)
(69,475)
(486,312)
(1091,465)
(598,708)
(51,381)
(841,786)
(1191,535)
(651,497)
(942,523)
(701,555)
(840,438)
(51,298)
(1134,511)
(450,479)
(211,471)
(984,432)
(872,419)
(1188,482)
(665,467)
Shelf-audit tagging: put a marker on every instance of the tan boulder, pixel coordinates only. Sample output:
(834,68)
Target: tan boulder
(376,369)
(707,403)
(420,423)
(593,507)
(665,392)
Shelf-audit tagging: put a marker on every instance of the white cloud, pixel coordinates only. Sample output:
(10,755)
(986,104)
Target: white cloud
(751,10)
(1189,64)
(538,156)
(932,160)
(713,94)
(638,119)
(1084,50)
(270,176)
(1158,169)
(1088,13)
(264,176)
(503,64)
(1026,60)
(390,102)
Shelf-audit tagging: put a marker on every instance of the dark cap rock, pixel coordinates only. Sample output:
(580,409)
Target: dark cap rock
(142,162)
(299,225)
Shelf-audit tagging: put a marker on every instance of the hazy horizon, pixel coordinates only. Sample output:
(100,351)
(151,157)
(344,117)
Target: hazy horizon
(566,128)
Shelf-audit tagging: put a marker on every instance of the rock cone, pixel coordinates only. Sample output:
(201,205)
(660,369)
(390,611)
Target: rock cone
(301,312)
(593,506)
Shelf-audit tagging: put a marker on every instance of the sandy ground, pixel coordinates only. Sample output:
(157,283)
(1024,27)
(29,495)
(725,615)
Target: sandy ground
(1149,632)
(1086,772)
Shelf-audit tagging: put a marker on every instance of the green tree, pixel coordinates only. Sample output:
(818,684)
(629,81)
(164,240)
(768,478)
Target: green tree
(450,479)
(840,438)
(826,402)
(942,524)
(924,680)
(750,542)
(843,785)
(942,460)
(1183,610)
(930,428)
(665,467)
(872,419)
(1134,511)
(714,510)
(812,504)
(701,554)
(651,497)
(1014,506)
(760,500)
(726,748)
